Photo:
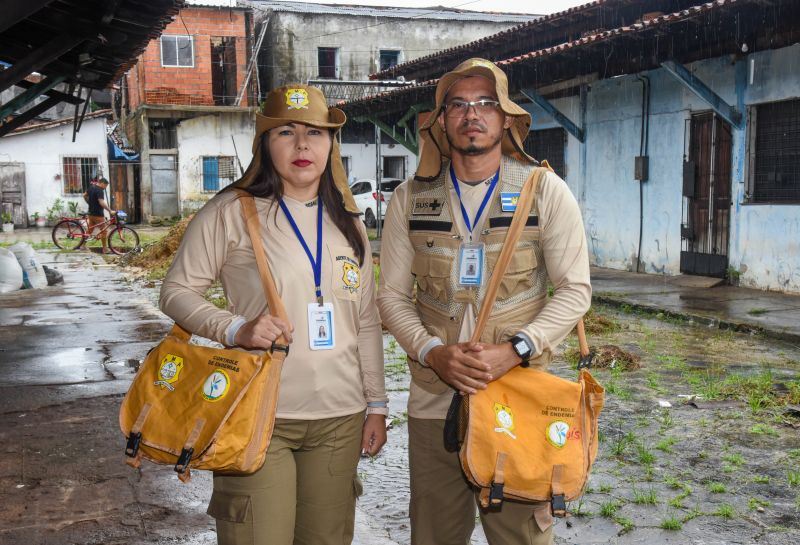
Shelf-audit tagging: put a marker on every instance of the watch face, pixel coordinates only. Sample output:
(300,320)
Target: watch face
(521,346)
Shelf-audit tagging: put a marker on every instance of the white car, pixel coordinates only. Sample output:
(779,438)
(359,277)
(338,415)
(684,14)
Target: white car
(366,196)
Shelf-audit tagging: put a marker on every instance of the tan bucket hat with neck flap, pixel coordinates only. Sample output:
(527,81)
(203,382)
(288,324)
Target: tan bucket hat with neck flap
(436,148)
(298,103)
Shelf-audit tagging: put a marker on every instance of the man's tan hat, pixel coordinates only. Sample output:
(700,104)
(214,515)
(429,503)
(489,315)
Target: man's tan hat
(435,147)
(298,103)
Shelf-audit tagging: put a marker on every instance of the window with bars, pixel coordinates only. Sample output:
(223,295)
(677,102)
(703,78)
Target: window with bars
(78,172)
(177,51)
(218,172)
(548,144)
(774,154)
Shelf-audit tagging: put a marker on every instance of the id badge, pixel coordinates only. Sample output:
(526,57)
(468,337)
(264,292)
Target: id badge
(470,264)
(320,326)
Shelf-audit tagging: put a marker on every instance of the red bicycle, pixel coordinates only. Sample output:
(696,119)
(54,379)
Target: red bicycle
(72,233)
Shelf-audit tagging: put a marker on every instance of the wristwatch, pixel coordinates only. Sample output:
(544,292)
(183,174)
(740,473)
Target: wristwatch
(521,349)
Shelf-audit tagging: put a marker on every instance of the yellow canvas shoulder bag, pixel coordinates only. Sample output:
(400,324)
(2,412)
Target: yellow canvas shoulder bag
(530,436)
(207,408)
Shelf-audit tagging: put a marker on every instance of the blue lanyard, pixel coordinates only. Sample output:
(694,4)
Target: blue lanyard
(483,204)
(316,265)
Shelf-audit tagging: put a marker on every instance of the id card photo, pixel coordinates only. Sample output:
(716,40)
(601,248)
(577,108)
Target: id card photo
(320,326)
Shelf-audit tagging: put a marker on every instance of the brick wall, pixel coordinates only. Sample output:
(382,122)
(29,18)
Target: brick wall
(151,83)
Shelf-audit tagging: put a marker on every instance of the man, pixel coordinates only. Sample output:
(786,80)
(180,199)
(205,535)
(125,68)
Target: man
(457,210)
(95,196)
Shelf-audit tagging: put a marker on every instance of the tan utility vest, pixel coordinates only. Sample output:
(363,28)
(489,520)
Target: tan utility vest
(441,302)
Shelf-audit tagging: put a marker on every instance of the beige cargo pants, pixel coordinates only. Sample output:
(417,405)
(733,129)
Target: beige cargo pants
(443,504)
(304,494)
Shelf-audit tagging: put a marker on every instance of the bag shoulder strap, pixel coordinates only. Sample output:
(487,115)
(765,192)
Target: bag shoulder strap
(526,196)
(274,301)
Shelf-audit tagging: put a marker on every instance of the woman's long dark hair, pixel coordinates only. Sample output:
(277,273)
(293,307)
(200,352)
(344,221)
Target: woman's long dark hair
(268,184)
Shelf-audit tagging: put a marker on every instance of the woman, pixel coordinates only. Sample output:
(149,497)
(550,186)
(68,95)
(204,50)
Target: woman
(319,255)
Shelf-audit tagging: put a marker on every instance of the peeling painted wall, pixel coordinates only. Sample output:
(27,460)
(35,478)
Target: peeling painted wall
(763,238)
(210,135)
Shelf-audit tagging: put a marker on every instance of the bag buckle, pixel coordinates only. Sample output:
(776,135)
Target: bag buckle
(559,506)
(280,348)
(495,494)
(183,460)
(132,448)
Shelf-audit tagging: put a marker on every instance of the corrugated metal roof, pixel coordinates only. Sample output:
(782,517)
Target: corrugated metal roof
(396,12)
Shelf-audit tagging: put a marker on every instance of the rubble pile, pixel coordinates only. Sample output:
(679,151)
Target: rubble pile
(157,257)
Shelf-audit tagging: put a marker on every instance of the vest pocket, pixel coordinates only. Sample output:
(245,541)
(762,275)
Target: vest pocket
(432,274)
(519,275)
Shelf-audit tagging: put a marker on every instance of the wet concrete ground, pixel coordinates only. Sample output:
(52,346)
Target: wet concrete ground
(67,355)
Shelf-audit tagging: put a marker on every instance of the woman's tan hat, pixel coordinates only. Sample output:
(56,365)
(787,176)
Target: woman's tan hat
(298,103)
(435,147)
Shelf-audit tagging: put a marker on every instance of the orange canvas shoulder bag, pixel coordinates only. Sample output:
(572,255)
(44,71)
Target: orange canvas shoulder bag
(208,408)
(530,436)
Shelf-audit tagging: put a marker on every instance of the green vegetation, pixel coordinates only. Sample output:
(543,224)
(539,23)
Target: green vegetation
(717,488)
(725,510)
(645,498)
(671,523)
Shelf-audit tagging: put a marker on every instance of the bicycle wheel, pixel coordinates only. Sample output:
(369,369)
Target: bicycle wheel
(122,240)
(68,234)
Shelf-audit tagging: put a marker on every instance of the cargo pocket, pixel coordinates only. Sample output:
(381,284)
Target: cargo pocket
(432,274)
(518,277)
(346,445)
(230,507)
(350,518)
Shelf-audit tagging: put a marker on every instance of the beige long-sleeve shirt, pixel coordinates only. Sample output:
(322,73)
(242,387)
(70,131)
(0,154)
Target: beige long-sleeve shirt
(566,259)
(314,384)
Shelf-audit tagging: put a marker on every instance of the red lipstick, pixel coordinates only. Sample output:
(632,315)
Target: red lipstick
(301,163)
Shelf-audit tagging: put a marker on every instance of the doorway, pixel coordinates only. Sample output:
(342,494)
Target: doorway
(705,226)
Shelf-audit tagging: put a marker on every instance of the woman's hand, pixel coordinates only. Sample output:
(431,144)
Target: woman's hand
(373,435)
(262,332)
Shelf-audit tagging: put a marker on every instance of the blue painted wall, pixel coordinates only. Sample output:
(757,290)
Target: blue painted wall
(763,238)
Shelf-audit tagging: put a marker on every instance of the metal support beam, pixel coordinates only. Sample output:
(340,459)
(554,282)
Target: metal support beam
(560,118)
(27,115)
(390,132)
(31,94)
(14,12)
(695,85)
(38,59)
(63,97)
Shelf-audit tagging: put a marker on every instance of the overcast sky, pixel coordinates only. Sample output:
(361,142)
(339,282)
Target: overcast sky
(512,6)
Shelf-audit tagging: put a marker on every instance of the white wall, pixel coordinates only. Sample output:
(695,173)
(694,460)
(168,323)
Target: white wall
(210,135)
(362,159)
(42,152)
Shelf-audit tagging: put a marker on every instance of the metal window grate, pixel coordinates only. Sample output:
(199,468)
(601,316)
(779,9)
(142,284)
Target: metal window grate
(78,171)
(548,144)
(777,152)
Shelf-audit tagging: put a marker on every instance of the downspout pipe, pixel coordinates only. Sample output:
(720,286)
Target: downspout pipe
(644,135)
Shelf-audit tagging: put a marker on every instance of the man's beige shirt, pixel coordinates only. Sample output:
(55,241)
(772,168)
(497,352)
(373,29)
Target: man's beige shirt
(314,384)
(565,254)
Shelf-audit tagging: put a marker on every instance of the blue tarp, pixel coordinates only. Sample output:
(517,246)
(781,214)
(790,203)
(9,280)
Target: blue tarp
(116,154)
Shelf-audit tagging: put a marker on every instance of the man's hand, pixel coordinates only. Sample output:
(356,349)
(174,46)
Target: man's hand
(373,434)
(458,366)
(499,358)
(262,332)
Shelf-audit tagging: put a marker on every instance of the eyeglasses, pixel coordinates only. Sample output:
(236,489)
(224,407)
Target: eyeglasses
(459,108)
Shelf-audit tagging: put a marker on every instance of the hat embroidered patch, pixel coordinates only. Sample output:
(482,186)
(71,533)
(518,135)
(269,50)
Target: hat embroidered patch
(297,99)
(508,201)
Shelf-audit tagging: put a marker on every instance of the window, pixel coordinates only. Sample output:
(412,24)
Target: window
(774,173)
(177,51)
(389,58)
(218,172)
(78,171)
(548,144)
(346,161)
(359,188)
(223,70)
(394,167)
(328,60)
(163,133)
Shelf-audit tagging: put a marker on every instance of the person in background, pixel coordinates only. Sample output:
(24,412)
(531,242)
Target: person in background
(332,403)
(95,197)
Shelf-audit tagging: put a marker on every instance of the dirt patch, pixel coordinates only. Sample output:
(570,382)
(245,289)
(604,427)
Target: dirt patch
(156,258)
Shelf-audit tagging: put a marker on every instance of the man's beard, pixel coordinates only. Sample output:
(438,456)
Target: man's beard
(471,148)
